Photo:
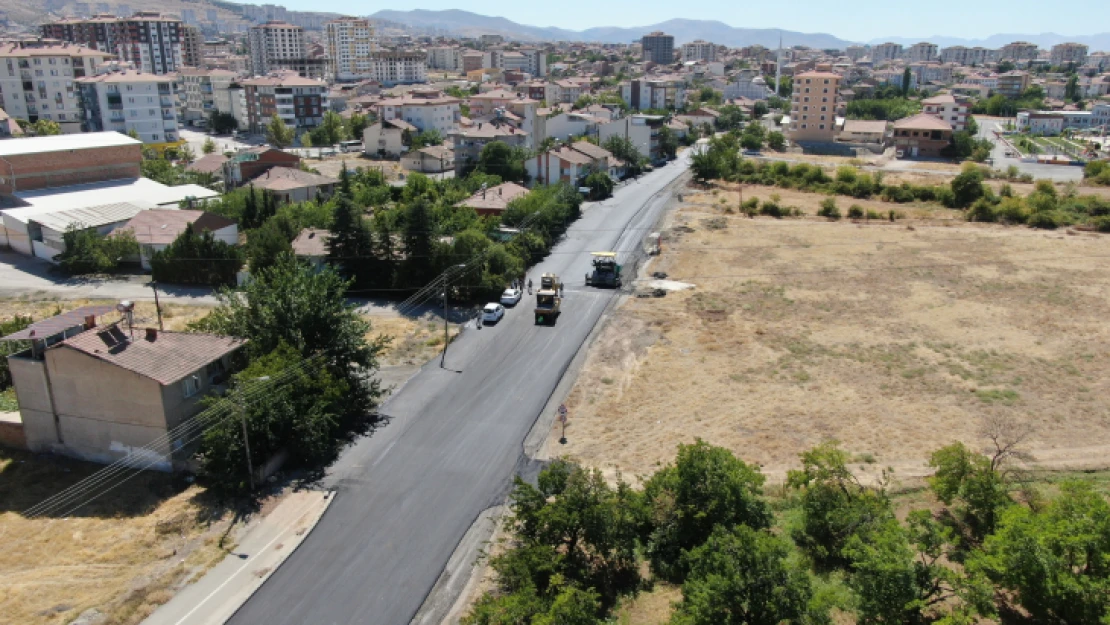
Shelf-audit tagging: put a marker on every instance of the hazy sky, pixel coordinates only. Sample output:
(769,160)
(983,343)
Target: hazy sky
(859,20)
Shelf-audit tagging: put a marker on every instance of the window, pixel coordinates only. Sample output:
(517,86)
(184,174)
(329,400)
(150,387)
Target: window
(822,125)
(191,384)
(803,126)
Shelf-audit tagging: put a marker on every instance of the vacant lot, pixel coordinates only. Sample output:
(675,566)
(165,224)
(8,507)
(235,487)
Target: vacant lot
(895,339)
(123,555)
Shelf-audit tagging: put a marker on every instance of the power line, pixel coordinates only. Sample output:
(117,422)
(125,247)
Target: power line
(193,428)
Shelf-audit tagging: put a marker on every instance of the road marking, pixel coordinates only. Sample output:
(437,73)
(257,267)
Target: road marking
(247,563)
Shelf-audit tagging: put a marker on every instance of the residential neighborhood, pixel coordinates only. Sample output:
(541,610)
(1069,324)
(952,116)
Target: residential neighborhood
(629,313)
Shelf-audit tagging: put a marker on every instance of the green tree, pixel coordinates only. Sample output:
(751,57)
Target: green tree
(209,146)
(1071,89)
(425,139)
(705,488)
(907,78)
(719,159)
(501,159)
(46,127)
(730,117)
(776,140)
(600,184)
(1056,559)
(307,309)
(750,141)
(972,480)
(668,142)
(625,150)
(419,231)
(87,252)
(278,134)
(835,506)
(356,124)
(967,186)
(759,109)
(331,130)
(222,123)
(269,242)
(350,245)
(186,154)
(740,576)
(197,258)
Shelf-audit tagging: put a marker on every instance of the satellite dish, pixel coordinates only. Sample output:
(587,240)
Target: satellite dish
(125,306)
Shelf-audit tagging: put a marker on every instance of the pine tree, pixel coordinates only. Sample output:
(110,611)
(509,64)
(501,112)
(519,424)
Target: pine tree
(418,244)
(250,210)
(349,246)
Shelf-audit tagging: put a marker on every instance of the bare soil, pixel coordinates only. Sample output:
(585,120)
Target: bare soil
(123,555)
(895,339)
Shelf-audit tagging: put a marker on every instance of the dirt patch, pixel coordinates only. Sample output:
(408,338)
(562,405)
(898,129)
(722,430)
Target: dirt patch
(123,555)
(174,316)
(895,339)
(413,340)
(332,165)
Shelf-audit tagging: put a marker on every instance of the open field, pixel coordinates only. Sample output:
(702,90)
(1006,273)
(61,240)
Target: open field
(413,341)
(123,555)
(895,339)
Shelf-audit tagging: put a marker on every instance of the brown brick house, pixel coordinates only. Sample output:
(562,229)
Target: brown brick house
(921,135)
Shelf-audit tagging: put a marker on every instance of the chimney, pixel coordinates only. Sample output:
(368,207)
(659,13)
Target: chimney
(151,334)
(90,322)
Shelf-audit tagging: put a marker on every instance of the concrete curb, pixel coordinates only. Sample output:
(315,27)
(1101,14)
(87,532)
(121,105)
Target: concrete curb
(216,597)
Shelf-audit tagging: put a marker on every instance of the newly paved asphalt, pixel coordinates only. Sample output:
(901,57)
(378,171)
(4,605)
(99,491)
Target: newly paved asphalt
(407,494)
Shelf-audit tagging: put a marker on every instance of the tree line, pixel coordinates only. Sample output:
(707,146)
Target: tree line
(578,547)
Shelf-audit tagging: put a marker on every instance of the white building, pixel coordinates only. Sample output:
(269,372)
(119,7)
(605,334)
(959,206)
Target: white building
(398,67)
(699,50)
(921,52)
(37,80)
(654,93)
(202,89)
(1064,53)
(962,55)
(949,109)
(885,52)
(350,46)
(425,109)
(748,84)
(130,101)
(448,58)
(272,42)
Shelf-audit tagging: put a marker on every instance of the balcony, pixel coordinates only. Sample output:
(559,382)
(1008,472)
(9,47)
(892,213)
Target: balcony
(167,101)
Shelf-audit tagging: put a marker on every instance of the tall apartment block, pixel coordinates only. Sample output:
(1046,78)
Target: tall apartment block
(658,48)
(148,39)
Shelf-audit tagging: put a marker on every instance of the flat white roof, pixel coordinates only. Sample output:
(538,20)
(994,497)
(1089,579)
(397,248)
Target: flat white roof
(61,143)
(91,216)
(142,191)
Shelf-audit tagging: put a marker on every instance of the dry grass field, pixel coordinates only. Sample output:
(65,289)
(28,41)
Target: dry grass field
(894,339)
(174,316)
(122,555)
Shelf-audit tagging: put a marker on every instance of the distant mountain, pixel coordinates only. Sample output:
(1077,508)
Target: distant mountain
(470,24)
(1097,42)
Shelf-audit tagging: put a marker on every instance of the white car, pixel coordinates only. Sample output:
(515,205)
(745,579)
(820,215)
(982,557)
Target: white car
(511,297)
(492,313)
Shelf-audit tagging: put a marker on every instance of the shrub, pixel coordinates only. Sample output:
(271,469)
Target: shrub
(771,208)
(829,209)
(1102,224)
(750,206)
(874,214)
(855,211)
(1011,211)
(1048,220)
(982,210)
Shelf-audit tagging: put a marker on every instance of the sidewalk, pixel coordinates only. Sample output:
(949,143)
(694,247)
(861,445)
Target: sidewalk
(215,597)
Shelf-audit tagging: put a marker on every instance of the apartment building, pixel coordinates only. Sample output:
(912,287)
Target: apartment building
(922,52)
(149,40)
(813,111)
(202,88)
(473,60)
(130,101)
(350,46)
(300,102)
(885,52)
(1013,84)
(398,67)
(526,60)
(37,80)
(535,61)
(272,42)
(1018,51)
(654,93)
(699,50)
(1064,53)
(658,48)
(962,55)
(191,40)
(447,58)
(855,52)
(948,108)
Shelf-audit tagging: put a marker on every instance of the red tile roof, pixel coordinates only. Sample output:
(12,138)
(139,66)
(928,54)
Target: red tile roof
(53,325)
(161,226)
(165,358)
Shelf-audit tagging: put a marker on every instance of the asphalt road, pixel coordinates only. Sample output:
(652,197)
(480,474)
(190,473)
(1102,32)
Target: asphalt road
(407,494)
(1059,173)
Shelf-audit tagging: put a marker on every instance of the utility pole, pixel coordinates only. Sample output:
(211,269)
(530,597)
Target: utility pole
(157,305)
(246,440)
(446,339)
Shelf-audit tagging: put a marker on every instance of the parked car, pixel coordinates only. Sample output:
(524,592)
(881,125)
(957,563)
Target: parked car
(492,313)
(511,297)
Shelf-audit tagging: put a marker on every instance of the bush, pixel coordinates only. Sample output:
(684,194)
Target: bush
(874,214)
(197,259)
(771,208)
(1048,220)
(600,184)
(88,252)
(982,210)
(855,211)
(829,209)
(750,206)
